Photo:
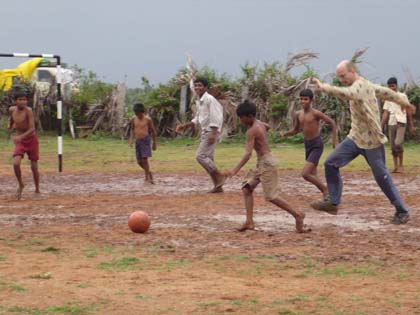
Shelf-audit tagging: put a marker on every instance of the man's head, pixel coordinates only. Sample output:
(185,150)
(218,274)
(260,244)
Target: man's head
(139,110)
(347,72)
(246,112)
(392,83)
(21,100)
(200,86)
(306,97)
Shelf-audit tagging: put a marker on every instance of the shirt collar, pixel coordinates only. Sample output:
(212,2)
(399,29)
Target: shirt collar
(203,96)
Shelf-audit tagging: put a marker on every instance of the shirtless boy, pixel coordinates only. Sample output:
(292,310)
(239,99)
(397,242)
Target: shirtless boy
(308,119)
(25,140)
(141,127)
(266,171)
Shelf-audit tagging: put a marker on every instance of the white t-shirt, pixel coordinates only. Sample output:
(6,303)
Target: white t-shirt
(396,113)
(209,113)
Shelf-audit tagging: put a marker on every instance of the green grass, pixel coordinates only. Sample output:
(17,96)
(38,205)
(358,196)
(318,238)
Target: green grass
(70,308)
(104,154)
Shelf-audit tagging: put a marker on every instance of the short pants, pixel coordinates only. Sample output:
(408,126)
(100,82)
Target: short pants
(30,146)
(266,174)
(143,148)
(313,150)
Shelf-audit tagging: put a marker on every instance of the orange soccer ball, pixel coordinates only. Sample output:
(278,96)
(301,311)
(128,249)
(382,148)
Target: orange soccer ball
(139,222)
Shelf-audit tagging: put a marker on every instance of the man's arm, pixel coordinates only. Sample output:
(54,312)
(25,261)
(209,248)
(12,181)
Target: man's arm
(153,132)
(343,92)
(295,128)
(387,94)
(215,118)
(329,121)
(250,139)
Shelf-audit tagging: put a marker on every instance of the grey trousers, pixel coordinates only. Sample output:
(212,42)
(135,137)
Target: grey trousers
(205,153)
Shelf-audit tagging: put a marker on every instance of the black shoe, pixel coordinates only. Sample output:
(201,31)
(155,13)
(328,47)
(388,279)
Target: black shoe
(400,218)
(326,206)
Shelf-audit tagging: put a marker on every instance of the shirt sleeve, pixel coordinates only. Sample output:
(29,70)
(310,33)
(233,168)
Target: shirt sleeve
(216,114)
(386,106)
(387,94)
(345,93)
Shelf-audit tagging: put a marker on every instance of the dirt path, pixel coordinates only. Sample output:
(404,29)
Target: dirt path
(69,251)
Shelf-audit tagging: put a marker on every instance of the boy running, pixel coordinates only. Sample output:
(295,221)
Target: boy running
(307,119)
(142,126)
(266,171)
(25,140)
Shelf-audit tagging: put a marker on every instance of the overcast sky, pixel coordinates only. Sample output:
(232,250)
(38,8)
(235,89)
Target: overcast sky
(135,38)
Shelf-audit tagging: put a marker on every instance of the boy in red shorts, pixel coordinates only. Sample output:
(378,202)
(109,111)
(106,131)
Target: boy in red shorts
(25,140)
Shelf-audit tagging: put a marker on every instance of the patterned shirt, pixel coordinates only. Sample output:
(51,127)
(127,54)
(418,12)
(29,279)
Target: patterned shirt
(396,113)
(366,129)
(209,113)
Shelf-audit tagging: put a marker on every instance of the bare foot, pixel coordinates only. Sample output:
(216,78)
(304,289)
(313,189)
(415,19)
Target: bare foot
(395,170)
(37,191)
(215,190)
(300,226)
(246,226)
(19,192)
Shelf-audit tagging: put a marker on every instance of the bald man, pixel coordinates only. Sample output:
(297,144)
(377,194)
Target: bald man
(365,138)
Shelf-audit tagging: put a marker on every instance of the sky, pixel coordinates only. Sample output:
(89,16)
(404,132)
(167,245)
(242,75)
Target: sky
(127,39)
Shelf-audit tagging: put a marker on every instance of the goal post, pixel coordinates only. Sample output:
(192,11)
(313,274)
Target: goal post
(59,98)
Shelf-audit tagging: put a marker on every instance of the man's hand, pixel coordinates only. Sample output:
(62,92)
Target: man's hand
(229,173)
(154,146)
(282,134)
(180,128)
(334,144)
(317,84)
(130,143)
(212,138)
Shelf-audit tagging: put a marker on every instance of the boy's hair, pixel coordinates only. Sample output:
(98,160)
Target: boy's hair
(138,108)
(246,108)
(392,80)
(307,93)
(203,81)
(20,94)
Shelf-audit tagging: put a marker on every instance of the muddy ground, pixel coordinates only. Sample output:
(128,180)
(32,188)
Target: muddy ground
(69,250)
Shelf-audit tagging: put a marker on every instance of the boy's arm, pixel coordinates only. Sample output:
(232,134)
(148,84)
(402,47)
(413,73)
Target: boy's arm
(267,126)
(250,139)
(295,129)
(131,132)
(331,122)
(384,120)
(11,121)
(411,129)
(153,132)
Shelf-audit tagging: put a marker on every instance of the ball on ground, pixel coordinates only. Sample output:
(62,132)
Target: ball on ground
(139,222)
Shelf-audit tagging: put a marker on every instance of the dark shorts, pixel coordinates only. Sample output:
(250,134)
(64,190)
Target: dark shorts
(143,148)
(313,150)
(29,146)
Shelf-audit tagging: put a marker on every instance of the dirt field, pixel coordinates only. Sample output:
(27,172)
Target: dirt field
(69,250)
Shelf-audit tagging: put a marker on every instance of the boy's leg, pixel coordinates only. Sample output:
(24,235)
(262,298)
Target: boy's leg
(146,167)
(16,167)
(309,174)
(205,157)
(392,138)
(249,206)
(35,174)
(399,140)
(298,215)
(376,160)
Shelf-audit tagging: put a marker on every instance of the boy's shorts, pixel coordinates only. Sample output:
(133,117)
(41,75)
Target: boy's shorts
(29,146)
(143,148)
(313,150)
(266,174)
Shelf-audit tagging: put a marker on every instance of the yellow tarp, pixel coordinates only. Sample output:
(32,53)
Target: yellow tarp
(24,71)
